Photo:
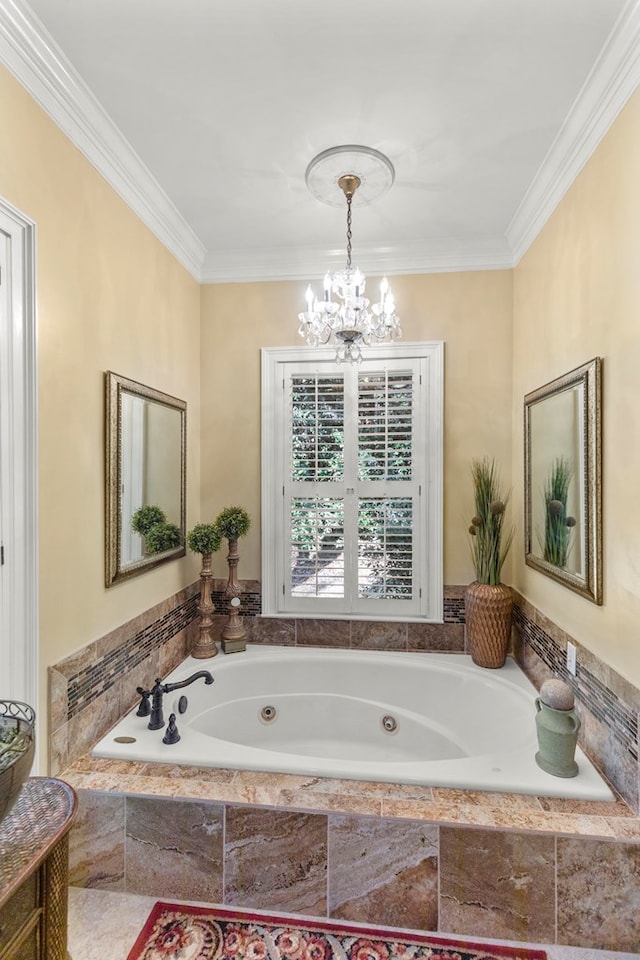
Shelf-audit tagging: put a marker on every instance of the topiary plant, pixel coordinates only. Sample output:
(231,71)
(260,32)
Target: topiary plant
(146,517)
(204,538)
(162,536)
(233,522)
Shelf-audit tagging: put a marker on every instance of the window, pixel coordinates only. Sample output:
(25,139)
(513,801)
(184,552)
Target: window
(352,488)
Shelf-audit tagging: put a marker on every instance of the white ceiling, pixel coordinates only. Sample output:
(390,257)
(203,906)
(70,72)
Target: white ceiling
(207,112)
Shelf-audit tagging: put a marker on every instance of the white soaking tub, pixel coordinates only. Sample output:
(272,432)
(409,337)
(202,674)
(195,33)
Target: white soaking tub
(415,718)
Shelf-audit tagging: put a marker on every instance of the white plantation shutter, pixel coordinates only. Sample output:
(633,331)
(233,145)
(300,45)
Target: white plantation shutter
(350,466)
(387,443)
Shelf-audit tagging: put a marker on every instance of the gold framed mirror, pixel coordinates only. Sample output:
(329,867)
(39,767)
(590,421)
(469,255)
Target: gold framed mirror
(146,434)
(563,479)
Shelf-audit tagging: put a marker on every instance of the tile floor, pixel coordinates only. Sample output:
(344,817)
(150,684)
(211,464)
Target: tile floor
(104,926)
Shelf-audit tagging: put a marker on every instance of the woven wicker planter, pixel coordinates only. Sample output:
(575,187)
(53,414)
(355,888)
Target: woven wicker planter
(488,622)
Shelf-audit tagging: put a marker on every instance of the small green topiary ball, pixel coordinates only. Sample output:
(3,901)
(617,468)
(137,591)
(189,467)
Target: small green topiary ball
(162,536)
(204,538)
(233,522)
(146,517)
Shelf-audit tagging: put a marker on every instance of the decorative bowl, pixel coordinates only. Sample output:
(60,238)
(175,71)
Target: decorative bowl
(17,748)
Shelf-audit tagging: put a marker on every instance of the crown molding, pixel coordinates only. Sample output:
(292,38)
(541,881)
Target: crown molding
(611,81)
(441,255)
(41,67)
(35,60)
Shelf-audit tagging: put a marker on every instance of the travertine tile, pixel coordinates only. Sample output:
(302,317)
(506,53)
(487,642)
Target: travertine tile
(599,894)
(555,823)
(328,802)
(499,883)
(378,635)
(439,811)
(90,724)
(436,636)
(611,756)
(383,871)
(275,630)
(171,771)
(368,789)
(276,860)
(173,652)
(587,808)
(96,842)
(58,699)
(92,765)
(323,633)
(75,662)
(58,750)
(174,848)
(514,803)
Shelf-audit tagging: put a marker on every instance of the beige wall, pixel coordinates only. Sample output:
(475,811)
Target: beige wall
(471,312)
(109,296)
(577,296)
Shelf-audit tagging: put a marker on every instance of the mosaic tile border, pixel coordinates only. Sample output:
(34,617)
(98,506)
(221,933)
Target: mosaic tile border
(251,601)
(95,679)
(453,606)
(619,717)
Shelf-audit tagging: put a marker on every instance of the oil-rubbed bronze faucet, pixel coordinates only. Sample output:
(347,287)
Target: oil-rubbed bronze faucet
(154,712)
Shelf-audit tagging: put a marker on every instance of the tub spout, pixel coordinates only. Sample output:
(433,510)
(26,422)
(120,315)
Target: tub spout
(168,687)
(156,720)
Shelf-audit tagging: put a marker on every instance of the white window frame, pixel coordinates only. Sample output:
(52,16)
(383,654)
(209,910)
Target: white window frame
(276,363)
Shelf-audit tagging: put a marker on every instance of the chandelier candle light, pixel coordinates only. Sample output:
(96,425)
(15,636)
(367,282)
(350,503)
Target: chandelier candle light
(351,320)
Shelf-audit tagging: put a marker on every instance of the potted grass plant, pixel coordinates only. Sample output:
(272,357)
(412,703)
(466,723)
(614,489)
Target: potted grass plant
(488,602)
(204,539)
(557,525)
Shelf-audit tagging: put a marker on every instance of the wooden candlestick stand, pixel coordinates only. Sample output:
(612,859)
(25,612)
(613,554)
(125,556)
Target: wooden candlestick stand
(205,645)
(234,636)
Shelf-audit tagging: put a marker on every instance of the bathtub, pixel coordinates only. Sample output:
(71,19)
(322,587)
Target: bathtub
(429,719)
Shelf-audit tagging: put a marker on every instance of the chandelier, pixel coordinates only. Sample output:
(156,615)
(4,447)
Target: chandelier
(344,316)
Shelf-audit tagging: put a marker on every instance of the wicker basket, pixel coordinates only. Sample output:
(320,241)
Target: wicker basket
(15,715)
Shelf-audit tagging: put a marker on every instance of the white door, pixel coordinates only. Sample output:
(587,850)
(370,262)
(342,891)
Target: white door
(18,460)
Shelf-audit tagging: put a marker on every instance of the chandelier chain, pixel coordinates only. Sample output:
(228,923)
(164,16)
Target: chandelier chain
(349,199)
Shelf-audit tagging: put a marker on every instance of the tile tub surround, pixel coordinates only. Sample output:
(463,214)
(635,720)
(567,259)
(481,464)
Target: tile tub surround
(520,867)
(607,704)
(498,865)
(91,689)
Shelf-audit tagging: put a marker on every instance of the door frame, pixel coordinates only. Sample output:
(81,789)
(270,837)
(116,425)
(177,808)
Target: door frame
(19,454)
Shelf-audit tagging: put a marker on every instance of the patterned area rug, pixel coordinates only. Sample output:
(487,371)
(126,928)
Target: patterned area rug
(177,932)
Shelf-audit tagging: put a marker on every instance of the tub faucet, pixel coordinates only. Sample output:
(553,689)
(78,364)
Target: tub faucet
(154,712)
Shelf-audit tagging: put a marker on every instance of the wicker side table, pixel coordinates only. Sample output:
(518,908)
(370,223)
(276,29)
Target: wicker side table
(34,871)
